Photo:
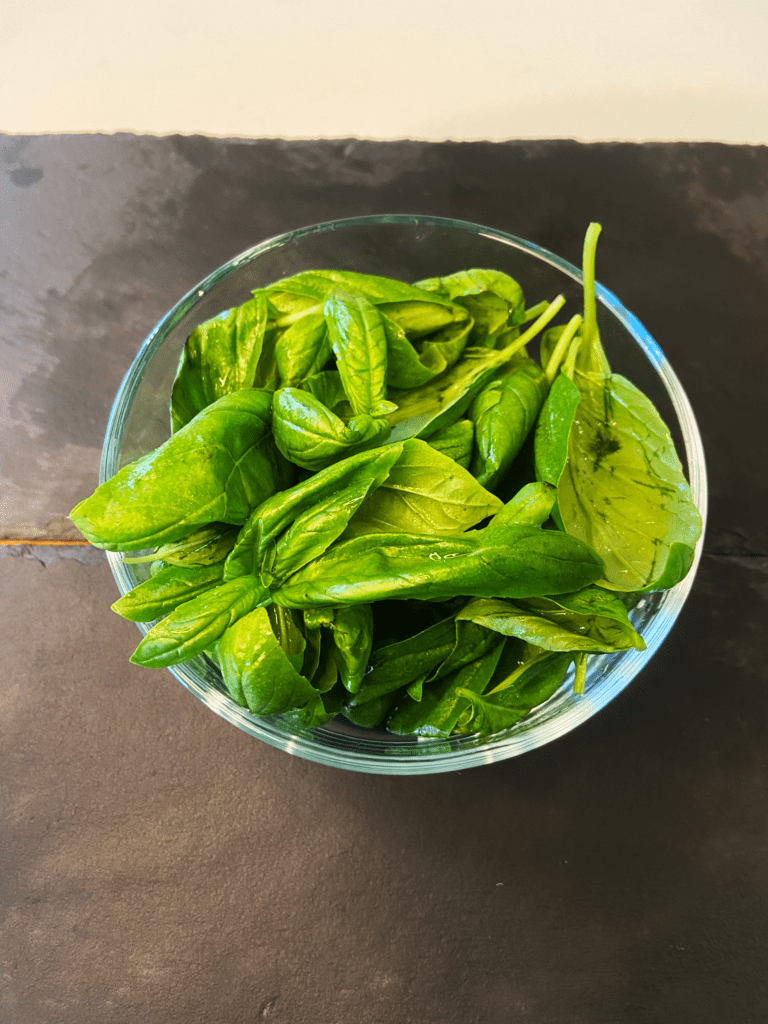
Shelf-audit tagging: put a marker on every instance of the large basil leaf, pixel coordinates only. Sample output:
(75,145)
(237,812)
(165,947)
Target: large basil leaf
(621,487)
(512,561)
(215,469)
(311,436)
(357,337)
(623,490)
(219,357)
(277,513)
(529,686)
(419,319)
(165,590)
(426,492)
(198,623)
(257,671)
(504,413)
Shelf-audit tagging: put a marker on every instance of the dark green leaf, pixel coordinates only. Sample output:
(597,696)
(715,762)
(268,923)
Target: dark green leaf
(257,671)
(352,632)
(528,687)
(276,514)
(512,561)
(215,469)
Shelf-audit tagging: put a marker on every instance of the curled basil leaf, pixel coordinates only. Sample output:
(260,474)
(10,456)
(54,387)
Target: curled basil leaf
(219,357)
(358,340)
(311,436)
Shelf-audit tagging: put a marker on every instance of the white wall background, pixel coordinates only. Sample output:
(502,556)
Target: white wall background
(428,69)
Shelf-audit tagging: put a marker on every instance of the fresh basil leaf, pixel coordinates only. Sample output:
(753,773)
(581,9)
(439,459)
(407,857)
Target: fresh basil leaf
(317,284)
(315,530)
(302,349)
(512,561)
(504,413)
(553,628)
(409,367)
(531,506)
(219,357)
(623,490)
(489,314)
(257,671)
(357,337)
(199,623)
(275,515)
(352,632)
(393,666)
(528,687)
(455,441)
(166,589)
(442,703)
(204,546)
(477,282)
(215,469)
(311,436)
(426,492)
(419,318)
(326,387)
(553,429)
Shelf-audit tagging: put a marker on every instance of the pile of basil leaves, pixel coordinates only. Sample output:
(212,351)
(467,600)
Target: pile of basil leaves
(376,503)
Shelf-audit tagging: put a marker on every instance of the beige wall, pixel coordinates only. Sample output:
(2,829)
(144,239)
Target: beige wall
(463,69)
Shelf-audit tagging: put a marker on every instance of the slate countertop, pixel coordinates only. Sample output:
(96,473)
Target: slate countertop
(160,865)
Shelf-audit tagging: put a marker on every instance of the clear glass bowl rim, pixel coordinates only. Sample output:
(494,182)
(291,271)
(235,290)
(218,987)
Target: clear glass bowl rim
(375,754)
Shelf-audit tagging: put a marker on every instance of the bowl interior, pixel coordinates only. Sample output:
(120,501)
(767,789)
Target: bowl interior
(409,248)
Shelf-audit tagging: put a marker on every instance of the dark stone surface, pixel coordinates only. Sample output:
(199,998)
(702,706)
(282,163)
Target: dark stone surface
(160,865)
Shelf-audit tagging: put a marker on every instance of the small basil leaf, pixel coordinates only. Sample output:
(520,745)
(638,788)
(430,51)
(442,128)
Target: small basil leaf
(455,441)
(358,340)
(165,590)
(198,623)
(531,506)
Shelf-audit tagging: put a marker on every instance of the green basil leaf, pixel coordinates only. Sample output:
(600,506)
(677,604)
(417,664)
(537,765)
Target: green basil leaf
(477,282)
(256,669)
(215,469)
(357,337)
(165,590)
(554,428)
(512,561)
(302,349)
(426,492)
(326,387)
(528,687)
(199,623)
(277,513)
(442,703)
(204,546)
(311,436)
(489,314)
(419,318)
(558,631)
(316,529)
(531,506)
(393,666)
(219,357)
(456,442)
(317,284)
(352,632)
(409,367)
(504,413)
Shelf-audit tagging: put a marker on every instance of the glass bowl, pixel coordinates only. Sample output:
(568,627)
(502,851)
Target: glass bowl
(409,248)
